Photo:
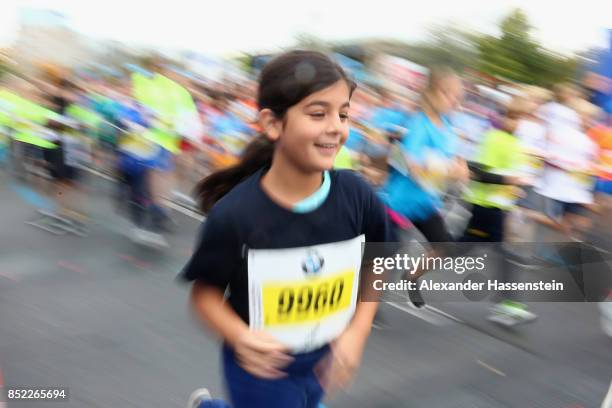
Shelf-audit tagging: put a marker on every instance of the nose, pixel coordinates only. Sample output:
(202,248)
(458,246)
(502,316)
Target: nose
(334,125)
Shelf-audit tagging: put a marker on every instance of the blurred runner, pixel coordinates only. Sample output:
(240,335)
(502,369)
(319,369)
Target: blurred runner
(567,179)
(602,136)
(175,117)
(107,104)
(498,170)
(531,133)
(66,164)
(429,147)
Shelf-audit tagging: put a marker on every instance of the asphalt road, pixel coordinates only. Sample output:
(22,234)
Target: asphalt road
(109,320)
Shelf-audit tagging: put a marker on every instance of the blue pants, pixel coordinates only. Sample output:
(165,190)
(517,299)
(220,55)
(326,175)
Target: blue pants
(603,186)
(143,212)
(300,389)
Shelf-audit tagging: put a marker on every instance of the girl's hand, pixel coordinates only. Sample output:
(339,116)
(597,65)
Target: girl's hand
(261,355)
(338,368)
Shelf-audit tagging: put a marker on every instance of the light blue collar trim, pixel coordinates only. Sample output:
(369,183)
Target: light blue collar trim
(317,198)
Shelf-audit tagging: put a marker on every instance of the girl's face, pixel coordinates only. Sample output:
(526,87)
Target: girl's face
(313,131)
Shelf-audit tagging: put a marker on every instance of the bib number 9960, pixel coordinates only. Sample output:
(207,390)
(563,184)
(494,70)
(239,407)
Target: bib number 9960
(306,300)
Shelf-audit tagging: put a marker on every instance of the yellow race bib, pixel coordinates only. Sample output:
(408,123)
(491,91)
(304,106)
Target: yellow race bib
(287,303)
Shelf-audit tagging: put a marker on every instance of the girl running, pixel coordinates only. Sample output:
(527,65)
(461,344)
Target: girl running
(284,234)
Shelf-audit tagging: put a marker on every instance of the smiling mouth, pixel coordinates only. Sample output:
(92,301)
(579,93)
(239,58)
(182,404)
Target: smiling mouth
(327,145)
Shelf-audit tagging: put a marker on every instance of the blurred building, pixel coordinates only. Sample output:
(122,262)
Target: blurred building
(46,41)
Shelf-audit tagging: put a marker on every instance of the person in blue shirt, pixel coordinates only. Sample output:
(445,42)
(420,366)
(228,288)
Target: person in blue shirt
(356,140)
(429,151)
(227,128)
(388,119)
(388,116)
(227,121)
(470,127)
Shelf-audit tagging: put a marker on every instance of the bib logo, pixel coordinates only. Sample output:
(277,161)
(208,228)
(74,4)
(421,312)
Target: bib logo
(313,263)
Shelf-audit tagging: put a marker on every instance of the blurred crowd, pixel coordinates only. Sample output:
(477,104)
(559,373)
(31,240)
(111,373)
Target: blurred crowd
(157,132)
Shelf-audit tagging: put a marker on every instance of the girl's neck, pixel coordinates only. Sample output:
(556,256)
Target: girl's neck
(287,184)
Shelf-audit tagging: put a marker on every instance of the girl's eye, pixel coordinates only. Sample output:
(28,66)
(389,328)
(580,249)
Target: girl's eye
(317,115)
(344,116)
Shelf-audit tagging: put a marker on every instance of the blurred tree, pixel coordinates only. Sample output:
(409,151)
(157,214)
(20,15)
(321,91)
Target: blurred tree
(4,67)
(516,56)
(245,61)
(308,41)
(447,44)
(513,55)
(7,63)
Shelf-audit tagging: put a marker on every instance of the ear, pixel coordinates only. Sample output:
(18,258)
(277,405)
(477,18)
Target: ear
(271,125)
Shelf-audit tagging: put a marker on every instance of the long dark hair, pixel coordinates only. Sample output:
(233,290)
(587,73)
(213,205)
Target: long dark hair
(283,83)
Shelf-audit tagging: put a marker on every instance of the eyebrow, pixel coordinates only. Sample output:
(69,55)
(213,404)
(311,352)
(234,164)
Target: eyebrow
(326,104)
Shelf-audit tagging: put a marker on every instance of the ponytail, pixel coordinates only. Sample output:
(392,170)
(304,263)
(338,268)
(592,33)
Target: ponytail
(256,155)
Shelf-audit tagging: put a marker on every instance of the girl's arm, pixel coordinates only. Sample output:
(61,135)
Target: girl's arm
(362,320)
(210,306)
(367,303)
(256,352)
(339,368)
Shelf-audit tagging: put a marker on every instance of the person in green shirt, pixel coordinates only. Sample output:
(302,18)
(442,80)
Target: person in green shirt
(496,178)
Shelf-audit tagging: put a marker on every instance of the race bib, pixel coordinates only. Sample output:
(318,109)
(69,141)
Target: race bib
(397,160)
(435,177)
(304,297)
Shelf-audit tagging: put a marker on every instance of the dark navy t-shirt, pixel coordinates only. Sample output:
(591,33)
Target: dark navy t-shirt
(246,218)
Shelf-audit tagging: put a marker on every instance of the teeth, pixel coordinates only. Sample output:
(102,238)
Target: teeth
(328,146)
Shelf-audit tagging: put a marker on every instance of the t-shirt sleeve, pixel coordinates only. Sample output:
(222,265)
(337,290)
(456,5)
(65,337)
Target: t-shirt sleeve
(488,152)
(376,223)
(217,255)
(518,157)
(380,236)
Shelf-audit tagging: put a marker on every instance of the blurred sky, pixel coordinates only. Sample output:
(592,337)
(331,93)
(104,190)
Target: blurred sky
(226,26)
